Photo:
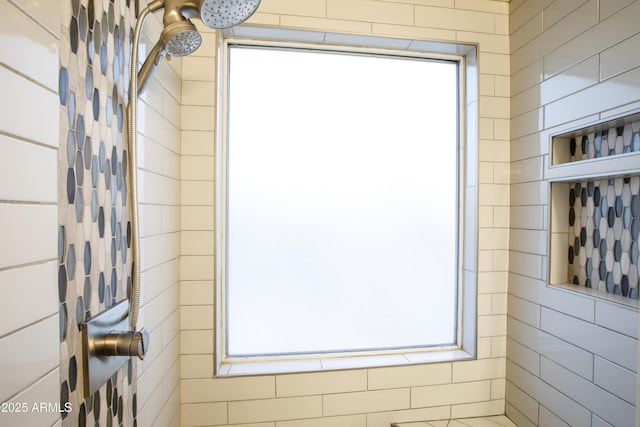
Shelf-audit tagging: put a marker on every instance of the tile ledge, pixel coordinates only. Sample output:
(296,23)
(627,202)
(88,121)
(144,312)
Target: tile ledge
(282,365)
(497,421)
(598,295)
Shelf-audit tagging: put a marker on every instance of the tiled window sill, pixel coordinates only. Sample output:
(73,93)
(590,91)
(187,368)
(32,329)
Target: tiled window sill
(281,365)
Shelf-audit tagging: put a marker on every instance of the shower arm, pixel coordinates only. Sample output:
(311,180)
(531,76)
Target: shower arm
(150,64)
(133,163)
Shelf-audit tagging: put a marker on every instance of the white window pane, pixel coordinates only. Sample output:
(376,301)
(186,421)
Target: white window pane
(342,202)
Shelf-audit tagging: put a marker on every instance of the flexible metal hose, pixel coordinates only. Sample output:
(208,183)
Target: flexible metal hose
(133,164)
(210,20)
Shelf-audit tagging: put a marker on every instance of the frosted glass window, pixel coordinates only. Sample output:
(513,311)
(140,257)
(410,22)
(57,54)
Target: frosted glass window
(342,202)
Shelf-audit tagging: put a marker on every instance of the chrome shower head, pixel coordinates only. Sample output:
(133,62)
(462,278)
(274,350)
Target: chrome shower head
(180,38)
(226,13)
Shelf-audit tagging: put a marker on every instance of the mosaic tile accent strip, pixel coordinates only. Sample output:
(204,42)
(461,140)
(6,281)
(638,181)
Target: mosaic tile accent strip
(94,265)
(610,142)
(604,224)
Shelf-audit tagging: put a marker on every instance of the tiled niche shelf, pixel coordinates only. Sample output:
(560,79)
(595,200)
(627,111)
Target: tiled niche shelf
(594,174)
(609,148)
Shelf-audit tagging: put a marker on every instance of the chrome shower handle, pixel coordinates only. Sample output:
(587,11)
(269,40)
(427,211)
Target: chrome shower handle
(116,343)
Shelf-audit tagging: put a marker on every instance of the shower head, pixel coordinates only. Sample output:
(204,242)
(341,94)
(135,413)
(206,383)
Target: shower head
(180,36)
(226,13)
(216,14)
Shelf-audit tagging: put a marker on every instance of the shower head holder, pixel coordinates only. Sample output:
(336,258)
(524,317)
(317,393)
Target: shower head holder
(180,37)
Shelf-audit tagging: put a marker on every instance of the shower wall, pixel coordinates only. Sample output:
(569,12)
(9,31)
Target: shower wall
(29,138)
(571,358)
(360,397)
(66,251)
(94,236)
(159,124)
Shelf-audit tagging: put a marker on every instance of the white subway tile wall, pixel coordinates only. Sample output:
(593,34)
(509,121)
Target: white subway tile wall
(159,181)
(357,397)
(571,359)
(29,331)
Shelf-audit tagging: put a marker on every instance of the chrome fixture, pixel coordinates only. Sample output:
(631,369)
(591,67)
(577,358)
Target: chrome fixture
(111,338)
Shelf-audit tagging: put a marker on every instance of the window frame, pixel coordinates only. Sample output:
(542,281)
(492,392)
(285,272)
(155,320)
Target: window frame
(465,56)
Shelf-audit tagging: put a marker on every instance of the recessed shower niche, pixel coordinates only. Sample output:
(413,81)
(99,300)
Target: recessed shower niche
(594,173)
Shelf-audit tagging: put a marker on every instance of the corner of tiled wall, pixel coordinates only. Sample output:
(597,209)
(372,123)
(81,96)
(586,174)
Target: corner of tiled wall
(159,151)
(573,63)
(197,209)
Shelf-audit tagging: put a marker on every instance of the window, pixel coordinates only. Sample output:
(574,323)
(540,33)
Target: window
(342,200)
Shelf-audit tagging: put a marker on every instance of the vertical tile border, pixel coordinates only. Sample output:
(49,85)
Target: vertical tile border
(94,233)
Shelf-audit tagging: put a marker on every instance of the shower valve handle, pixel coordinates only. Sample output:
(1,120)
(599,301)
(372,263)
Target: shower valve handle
(132,343)
(140,342)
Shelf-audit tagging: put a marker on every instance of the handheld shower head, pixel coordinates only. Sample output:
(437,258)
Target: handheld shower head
(180,38)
